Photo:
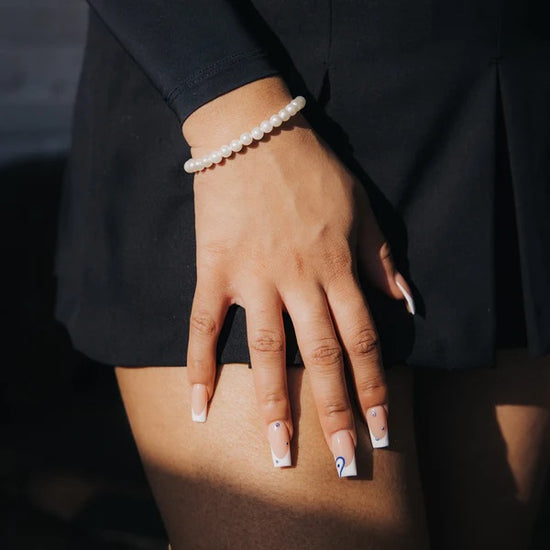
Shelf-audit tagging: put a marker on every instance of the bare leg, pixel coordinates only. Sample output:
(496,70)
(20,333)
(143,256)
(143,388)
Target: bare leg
(216,486)
(484,449)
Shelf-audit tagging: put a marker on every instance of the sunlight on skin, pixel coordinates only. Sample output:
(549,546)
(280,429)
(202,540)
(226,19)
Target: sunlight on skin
(523,424)
(520,425)
(235,426)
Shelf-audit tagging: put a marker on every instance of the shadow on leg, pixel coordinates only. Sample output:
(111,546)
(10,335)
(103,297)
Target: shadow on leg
(484,450)
(216,486)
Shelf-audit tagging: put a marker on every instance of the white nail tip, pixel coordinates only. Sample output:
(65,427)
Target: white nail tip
(280,462)
(345,470)
(382,442)
(201,417)
(410,302)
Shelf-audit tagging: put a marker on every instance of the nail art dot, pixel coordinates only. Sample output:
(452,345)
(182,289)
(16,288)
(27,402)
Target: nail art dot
(286,443)
(382,428)
(277,461)
(373,413)
(277,424)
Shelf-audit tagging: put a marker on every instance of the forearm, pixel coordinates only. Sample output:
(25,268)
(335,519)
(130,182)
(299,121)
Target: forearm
(229,115)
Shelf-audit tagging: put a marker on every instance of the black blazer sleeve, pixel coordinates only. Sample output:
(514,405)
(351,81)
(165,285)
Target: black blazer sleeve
(192,50)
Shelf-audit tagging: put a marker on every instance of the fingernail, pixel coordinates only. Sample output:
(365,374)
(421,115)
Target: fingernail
(199,402)
(280,444)
(378,426)
(343,450)
(407,293)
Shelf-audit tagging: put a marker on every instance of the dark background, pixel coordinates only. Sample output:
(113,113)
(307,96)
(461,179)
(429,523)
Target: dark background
(70,476)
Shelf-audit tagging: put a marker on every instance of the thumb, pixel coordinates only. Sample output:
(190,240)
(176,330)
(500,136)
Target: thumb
(374,254)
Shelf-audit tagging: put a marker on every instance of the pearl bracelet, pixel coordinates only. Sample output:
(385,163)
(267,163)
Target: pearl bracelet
(257,133)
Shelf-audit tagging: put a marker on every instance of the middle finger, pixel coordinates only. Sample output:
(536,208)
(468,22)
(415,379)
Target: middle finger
(323,357)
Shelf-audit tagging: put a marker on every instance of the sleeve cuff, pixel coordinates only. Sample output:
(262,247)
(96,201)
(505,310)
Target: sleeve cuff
(215,80)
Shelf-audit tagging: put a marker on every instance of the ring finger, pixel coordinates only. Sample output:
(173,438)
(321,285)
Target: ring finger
(357,332)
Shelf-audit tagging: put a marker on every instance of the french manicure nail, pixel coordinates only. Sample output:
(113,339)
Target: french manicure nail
(405,289)
(378,426)
(343,450)
(280,444)
(199,402)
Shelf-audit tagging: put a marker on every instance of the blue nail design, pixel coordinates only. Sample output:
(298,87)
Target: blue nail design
(340,463)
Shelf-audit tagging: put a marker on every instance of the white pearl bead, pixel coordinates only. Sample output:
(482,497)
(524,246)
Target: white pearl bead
(215,157)
(284,115)
(266,126)
(188,166)
(246,139)
(291,109)
(236,145)
(300,101)
(276,121)
(226,151)
(257,133)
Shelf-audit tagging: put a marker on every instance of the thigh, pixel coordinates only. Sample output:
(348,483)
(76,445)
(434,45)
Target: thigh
(484,446)
(216,486)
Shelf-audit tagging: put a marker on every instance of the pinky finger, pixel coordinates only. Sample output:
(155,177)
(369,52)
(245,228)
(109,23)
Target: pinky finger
(207,315)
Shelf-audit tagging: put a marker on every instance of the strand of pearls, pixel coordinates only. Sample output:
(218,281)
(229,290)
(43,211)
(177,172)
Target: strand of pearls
(257,133)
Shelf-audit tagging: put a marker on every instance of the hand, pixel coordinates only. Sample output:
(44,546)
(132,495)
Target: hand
(280,227)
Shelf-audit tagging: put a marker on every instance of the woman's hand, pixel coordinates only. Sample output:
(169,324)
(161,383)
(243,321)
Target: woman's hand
(279,227)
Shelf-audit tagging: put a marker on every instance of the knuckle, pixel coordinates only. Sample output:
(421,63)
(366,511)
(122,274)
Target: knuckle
(201,368)
(385,251)
(372,385)
(326,354)
(267,341)
(365,342)
(334,407)
(213,259)
(203,323)
(298,261)
(273,400)
(338,262)
(214,249)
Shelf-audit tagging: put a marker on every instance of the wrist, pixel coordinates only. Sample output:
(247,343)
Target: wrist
(235,112)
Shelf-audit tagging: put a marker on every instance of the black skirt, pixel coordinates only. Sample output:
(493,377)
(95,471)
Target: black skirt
(441,109)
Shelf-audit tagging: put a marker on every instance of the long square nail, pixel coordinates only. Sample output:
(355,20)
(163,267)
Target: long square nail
(199,402)
(280,444)
(343,450)
(378,426)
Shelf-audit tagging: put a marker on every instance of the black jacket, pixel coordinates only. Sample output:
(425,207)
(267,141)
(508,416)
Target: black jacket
(196,50)
(424,100)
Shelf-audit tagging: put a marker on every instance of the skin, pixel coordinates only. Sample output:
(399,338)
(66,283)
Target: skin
(216,487)
(480,437)
(281,227)
(483,437)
